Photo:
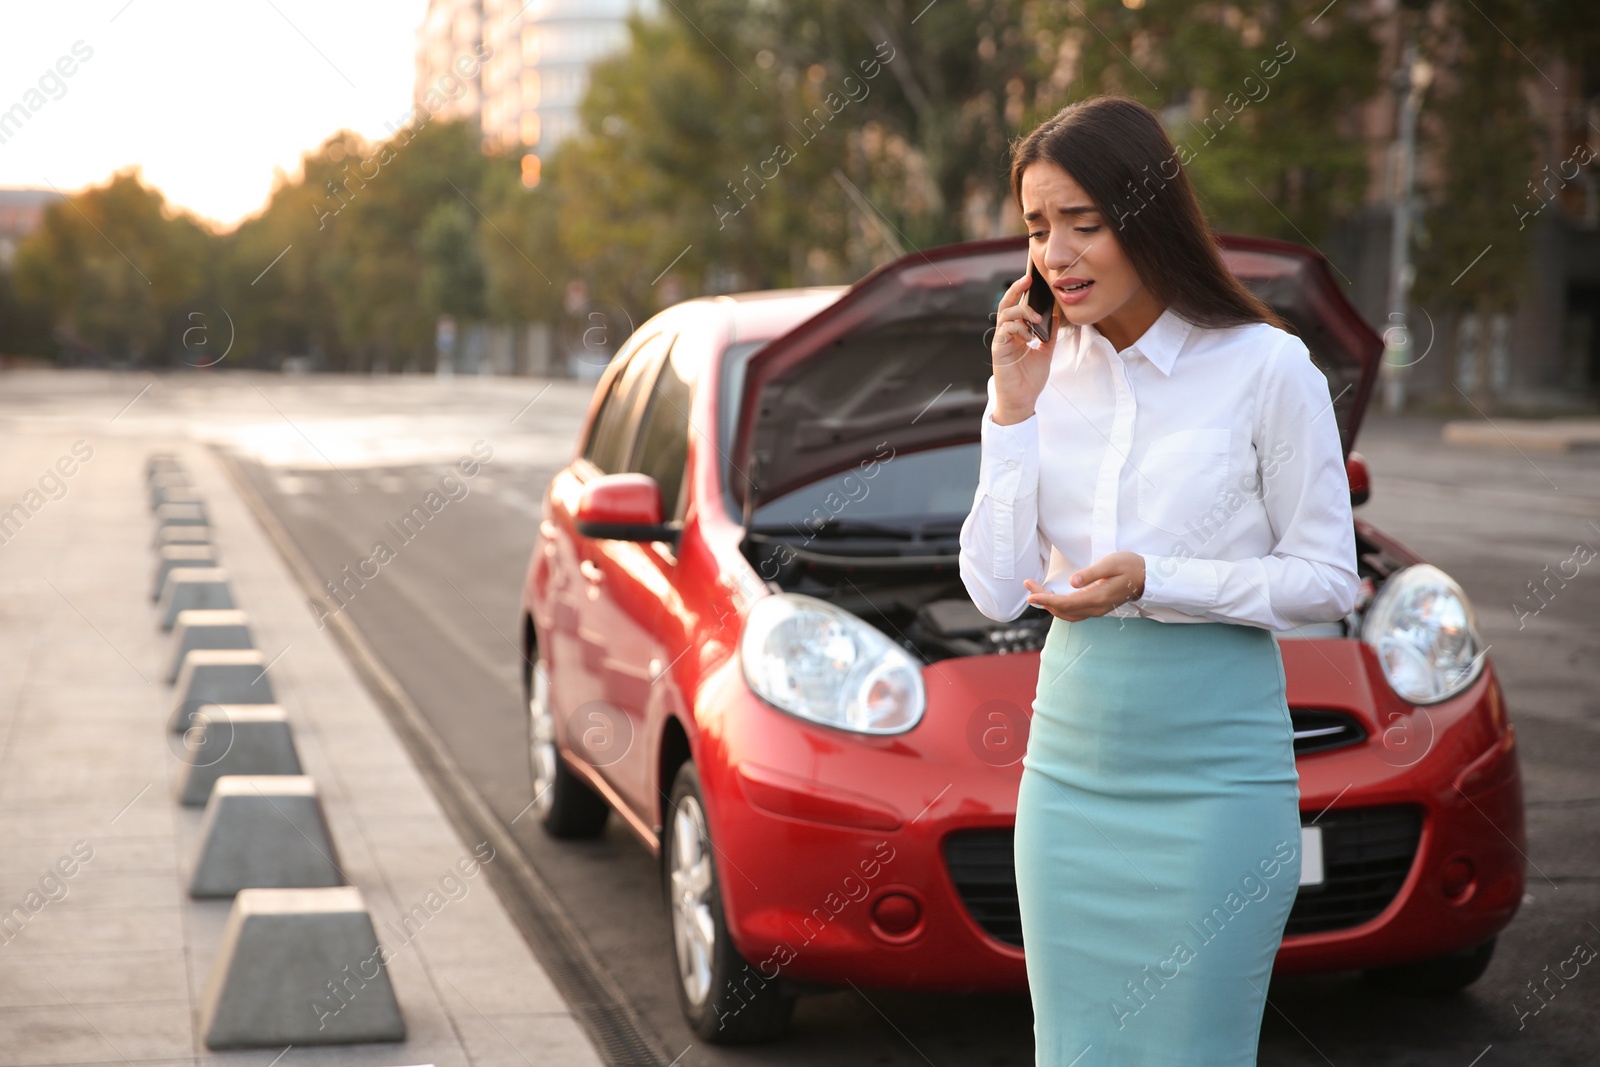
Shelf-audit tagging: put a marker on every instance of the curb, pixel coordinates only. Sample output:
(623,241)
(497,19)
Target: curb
(1538,435)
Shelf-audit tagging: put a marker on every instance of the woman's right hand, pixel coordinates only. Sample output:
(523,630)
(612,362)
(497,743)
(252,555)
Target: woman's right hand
(1020,372)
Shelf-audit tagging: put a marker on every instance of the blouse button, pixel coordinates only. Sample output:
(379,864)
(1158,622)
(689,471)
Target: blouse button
(1011,464)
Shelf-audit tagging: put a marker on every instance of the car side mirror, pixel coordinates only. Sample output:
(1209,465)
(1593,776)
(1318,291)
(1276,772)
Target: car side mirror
(1355,469)
(623,507)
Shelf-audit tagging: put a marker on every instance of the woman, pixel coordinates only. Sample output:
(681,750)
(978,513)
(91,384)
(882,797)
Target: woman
(1166,478)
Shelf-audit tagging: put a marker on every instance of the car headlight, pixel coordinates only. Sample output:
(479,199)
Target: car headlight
(811,659)
(1425,633)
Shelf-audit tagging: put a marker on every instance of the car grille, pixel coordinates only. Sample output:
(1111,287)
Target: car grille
(1318,731)
(1366,854)
(980,864)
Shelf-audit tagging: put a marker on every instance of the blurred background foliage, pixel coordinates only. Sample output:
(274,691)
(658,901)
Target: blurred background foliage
(757,143)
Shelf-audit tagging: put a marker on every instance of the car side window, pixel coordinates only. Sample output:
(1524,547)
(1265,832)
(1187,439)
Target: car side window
(602,434)
(609,440)
(661,448)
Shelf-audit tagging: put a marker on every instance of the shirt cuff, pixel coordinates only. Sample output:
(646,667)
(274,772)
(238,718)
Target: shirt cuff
(1010,466)
(1189,585)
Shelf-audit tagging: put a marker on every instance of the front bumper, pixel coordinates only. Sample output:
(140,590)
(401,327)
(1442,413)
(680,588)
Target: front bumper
(830,844)
(887,861)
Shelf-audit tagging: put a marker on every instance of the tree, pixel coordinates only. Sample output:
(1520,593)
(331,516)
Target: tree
(375,263)
(929,136)
(837,144)
(679,164)
(110,265)
(273,263)
(24,325)
(522,256)
(859,130)
(1261,103)
(357,280)
(452,274)
(1497,182)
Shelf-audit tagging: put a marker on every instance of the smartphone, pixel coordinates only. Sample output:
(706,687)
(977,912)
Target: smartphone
(1041,298)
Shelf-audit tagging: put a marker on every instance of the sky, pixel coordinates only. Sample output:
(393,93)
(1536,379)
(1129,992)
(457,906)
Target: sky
(210,99)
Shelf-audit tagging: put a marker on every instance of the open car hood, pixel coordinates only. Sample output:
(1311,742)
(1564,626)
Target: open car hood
(902,358)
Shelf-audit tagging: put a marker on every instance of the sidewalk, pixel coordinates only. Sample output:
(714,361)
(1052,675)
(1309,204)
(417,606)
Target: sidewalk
(1537,435)
(107,964)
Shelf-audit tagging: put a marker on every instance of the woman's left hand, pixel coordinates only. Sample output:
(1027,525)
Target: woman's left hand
(1111,580)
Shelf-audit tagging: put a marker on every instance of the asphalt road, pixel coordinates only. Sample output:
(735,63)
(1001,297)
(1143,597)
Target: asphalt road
(338,460)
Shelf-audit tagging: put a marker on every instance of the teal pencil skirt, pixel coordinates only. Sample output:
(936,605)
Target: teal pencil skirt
(1157,841)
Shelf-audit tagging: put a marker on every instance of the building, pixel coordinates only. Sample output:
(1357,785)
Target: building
(535,63)
(451,30)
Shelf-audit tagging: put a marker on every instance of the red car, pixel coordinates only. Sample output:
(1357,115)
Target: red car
(750,640)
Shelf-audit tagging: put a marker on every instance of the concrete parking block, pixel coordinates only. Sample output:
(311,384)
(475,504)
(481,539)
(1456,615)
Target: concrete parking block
(201,629)
(264,831)
(235,739)
(170,478)
(182,535)
(190,588)
(299,967)
(181,515)
(178,494)
(218,676)
(171,557)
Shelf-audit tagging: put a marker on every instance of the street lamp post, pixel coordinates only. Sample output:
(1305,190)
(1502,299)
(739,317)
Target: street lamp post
(1411,78)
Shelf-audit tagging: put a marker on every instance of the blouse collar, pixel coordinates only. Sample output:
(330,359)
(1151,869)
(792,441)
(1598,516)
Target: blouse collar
(1159,344)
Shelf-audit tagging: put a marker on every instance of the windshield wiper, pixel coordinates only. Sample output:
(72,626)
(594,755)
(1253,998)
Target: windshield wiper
(837,527)
(941,530)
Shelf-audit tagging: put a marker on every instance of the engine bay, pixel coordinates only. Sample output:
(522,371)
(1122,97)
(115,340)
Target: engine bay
(912,592)
(917,600)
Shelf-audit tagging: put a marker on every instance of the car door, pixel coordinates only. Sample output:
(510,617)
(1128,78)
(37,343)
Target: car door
(575,644)
(612,633)
(638,580)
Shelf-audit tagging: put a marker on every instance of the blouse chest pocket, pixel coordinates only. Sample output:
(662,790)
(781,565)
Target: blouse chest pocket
(1182,477)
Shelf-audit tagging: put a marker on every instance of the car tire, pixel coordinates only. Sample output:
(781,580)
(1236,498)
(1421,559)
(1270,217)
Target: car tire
(1437,977)
(562,802)
(724,999)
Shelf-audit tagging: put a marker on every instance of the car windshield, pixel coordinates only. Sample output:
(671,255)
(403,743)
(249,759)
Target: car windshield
(734,361)
(923,494)
(920,495)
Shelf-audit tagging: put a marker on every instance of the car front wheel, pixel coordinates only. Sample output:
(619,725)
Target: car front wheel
(723,997)
(563,803)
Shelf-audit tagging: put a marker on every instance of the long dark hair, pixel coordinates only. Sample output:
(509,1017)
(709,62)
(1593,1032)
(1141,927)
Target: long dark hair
(1115,148)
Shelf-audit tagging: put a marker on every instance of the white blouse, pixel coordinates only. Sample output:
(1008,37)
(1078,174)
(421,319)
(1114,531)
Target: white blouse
(1213,453)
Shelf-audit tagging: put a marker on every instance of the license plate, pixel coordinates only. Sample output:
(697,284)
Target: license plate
(1311,855)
